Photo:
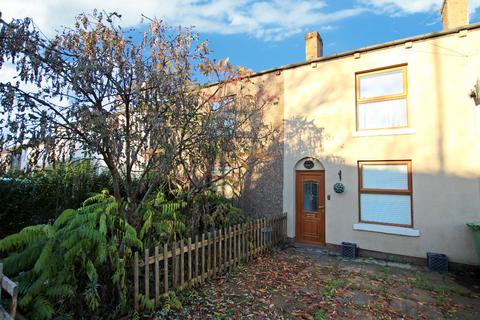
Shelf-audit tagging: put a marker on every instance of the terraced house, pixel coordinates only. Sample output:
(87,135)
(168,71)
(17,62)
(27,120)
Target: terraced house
(380,145)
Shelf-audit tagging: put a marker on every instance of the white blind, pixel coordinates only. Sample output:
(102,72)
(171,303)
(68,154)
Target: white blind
(385,208)
(385,176)
(381,84)
(382,114)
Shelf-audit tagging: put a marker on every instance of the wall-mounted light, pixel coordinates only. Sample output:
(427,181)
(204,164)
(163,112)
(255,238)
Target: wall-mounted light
(475,93)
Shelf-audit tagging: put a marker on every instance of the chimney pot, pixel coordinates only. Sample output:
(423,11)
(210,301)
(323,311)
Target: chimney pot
(454,13)
(313,45)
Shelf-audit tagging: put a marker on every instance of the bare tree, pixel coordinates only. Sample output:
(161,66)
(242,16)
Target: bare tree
(133,100)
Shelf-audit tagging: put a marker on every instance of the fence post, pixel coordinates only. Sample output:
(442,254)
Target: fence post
(136,280)
(220,240)
(225,251)
(214,253)
(209,253)
(203,257)
(182,262)
(189,261)
(196,258)
(237,245)
(165,267)
(240,244)
(244,242)
(247,240)
(270,227)
(275,230)
(157,275)
(147,275)
(174,265)
(230,253)
(254,237)
(264,234)
(258,231)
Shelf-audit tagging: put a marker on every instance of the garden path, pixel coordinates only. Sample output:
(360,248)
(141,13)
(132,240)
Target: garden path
(299,283)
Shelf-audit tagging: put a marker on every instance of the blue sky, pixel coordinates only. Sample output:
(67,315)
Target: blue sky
(366,28)
(260,34)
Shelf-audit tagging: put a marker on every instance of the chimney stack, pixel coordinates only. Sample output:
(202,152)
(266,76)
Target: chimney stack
(313,45)
(454,13)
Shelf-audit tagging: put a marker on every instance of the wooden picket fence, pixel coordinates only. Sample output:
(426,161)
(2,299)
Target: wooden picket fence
(191,261)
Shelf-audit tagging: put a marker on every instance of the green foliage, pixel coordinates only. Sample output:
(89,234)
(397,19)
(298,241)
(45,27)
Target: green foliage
(168,218)
(209,210)
(320,315)
(331,287)
(223,213)
(163,220)
(170,302)
(76,266)
(40,196)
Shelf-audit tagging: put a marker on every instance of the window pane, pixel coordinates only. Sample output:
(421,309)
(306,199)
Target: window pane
(383,114)
(310,196)
(392,177)
(385,208)
(381,84)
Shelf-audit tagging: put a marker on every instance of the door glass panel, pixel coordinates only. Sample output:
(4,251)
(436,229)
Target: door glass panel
(310,196)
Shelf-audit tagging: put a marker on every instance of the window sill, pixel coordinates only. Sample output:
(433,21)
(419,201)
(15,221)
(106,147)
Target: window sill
(402,231)
(383,132)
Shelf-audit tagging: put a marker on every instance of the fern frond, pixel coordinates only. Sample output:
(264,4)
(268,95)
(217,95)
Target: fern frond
(25,237)
(23,260)
(60,291)
(44,257)
(102,225)
(145,302)
(42,309)
(64,217)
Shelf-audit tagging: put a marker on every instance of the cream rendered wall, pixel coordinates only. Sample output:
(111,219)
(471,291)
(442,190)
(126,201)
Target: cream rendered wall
(444,146)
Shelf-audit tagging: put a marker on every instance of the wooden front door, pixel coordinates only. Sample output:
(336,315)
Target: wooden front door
(310,207)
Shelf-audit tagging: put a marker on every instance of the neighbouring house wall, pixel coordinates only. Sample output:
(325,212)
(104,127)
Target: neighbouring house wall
(444,146)
(262,193)
(261,189)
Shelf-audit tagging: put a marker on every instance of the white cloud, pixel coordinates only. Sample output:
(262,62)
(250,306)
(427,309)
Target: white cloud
(275,19)
(412,6)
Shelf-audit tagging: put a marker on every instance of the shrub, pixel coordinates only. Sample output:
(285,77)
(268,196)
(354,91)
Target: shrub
(40,196)
(75,267)
(180,214)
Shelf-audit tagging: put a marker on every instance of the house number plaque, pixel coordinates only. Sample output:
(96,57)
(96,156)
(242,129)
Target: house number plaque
(308,164)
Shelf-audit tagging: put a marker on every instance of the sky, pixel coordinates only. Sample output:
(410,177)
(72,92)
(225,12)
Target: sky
(258,35)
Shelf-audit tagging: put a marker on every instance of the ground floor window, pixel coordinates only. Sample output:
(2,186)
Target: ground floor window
(385,192)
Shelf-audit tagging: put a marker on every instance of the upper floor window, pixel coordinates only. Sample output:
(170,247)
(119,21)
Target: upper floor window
(382,99)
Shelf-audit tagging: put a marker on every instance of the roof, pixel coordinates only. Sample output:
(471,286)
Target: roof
(383,45)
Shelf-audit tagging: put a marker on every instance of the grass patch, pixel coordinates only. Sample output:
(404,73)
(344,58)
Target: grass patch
(320,315)
(331,287)
(420,282)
